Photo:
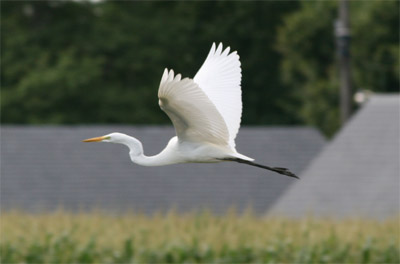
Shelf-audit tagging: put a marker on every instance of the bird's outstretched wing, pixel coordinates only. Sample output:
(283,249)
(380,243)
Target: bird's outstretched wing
(220,77)
(194,116)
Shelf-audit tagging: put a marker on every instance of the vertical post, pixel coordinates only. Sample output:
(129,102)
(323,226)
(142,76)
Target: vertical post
(342,33)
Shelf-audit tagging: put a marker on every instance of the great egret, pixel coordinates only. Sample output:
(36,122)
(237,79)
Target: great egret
(206,113)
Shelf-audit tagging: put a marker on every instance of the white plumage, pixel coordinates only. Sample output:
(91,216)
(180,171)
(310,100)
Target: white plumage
(219,77)
(205,111)
(195,117)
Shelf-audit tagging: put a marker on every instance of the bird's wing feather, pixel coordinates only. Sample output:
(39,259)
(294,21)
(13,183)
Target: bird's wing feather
(194,116)
(220,77)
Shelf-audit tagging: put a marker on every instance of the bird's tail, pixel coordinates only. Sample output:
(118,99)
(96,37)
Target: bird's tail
(283,171)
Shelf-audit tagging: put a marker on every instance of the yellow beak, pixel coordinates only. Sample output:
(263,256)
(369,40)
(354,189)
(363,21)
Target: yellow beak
(95,139)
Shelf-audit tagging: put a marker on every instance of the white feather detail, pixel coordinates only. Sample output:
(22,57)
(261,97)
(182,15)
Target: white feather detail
(195,117)
(220,79)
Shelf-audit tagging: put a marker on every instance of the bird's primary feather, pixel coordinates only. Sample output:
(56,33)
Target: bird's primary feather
(220,77)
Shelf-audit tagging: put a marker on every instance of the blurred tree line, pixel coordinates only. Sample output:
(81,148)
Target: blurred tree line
(66,62)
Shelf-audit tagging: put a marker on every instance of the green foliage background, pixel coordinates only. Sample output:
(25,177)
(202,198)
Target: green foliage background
(309,67)
(67,62)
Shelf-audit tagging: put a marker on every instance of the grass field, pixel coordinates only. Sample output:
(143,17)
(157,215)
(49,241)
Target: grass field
(171,238)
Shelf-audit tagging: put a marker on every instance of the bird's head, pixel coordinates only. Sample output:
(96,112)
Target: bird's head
(132,143)
(113,138)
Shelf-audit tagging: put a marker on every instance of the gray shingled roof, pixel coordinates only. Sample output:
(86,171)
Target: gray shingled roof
(44,167)
(357,173)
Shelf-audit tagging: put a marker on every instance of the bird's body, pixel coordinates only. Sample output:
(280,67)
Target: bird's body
(176,152)
(206,113)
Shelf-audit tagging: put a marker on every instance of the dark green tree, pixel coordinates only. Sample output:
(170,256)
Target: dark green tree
(309,66)
(69,62)
(80,62)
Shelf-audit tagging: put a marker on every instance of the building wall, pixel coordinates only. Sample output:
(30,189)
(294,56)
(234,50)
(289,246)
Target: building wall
(47,167)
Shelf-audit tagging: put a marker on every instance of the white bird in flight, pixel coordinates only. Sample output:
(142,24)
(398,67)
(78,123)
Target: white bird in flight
(206,113)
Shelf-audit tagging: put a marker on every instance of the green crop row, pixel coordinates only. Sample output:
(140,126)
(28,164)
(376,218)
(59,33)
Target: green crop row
(63,237)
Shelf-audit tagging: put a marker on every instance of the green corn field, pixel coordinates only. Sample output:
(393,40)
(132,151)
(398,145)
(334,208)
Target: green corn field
(97,237)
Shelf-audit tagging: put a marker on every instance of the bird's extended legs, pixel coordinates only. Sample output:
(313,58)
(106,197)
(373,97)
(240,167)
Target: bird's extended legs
(283,171)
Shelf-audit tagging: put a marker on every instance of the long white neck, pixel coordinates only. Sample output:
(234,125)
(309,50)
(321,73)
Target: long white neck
(137,155)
